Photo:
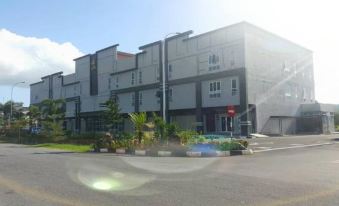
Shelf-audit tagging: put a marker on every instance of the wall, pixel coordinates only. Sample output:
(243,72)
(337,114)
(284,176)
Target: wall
(279,75)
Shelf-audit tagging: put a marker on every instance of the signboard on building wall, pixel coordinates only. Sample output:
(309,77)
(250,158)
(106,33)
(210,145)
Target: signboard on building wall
(231,111)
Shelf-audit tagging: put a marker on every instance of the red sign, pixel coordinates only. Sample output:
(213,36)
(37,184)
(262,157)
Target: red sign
(231,111)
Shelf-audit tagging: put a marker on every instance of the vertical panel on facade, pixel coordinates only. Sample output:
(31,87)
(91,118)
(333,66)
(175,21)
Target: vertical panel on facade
(93,75)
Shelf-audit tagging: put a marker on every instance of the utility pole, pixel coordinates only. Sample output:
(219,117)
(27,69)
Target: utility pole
(164,75)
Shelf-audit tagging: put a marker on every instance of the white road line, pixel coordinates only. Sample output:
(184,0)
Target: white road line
(296,144)
(254,143)
(263,148)
(293,147)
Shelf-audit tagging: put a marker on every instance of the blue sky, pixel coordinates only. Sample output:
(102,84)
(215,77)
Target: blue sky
(92,25)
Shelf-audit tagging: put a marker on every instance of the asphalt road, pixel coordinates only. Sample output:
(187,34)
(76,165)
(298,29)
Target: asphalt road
(296,176)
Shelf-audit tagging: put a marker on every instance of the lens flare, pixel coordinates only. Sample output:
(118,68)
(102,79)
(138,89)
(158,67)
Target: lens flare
(105,185)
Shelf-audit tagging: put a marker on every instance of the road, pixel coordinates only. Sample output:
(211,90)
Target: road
(296,176)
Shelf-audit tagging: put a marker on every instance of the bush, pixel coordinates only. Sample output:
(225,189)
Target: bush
(186,136)
(228,146)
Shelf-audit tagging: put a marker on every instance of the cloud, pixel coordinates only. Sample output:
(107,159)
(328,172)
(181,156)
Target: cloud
(29,58)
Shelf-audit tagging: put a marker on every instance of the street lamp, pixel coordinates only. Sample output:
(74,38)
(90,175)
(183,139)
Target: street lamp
(164,76)
(10,116)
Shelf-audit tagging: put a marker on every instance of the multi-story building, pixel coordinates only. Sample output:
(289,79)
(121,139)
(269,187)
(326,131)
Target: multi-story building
(265,77)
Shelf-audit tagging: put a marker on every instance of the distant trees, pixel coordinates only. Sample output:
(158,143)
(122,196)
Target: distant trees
(5,112)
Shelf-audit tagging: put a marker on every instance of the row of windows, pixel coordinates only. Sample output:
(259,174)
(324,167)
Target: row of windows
(213,64)
(215,88)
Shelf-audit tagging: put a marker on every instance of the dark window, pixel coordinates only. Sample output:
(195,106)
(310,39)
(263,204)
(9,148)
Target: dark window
(93,76)
(140,77)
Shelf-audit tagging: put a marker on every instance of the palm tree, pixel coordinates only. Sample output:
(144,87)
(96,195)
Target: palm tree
(139,121)
(34,114)
(53,109)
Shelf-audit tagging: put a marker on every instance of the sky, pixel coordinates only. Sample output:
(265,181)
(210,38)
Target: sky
(40,37)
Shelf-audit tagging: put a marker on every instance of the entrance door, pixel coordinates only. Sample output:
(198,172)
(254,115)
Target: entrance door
(229,124)
(225,123)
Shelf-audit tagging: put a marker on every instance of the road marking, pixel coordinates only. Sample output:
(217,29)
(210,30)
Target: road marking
(335,162)
(296,144)
(263,148)
(293,147)
(254,143)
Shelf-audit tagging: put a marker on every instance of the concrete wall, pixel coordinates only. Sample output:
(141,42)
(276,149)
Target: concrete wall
(279,75)
(149,102)
(225,98)
(183,96)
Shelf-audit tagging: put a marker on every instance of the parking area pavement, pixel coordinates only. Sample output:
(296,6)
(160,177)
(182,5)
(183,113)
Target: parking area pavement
(295,141)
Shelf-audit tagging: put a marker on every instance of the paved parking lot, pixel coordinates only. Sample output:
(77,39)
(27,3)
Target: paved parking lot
(297,176)
(284,142)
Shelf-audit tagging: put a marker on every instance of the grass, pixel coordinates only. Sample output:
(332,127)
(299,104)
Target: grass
(68,147)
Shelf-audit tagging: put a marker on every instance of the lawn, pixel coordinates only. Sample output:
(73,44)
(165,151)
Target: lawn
(68,147)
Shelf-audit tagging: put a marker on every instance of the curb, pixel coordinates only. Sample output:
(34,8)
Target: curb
(193,154)
(222,153)
(164,153)
(140,152)
(120,151)
(247,152)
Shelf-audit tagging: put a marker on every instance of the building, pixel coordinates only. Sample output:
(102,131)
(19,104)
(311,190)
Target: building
(265,77)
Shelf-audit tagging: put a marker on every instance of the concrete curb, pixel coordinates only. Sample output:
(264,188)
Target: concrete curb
(120,151)
(247,152)
(193,154)
(139,152)
(222,153)
(164,153)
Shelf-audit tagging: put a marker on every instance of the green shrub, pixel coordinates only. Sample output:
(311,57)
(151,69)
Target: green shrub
(201,139)
(186,136)
(228,146)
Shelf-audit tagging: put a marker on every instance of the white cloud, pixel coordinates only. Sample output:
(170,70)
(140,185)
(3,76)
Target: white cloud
(29,58)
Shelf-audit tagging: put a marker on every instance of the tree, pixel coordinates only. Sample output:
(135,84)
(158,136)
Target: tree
(16,110)
(34,114)
(52,110)
(159,127)
(139,121)
(18,125)
(53,113)
(111,114)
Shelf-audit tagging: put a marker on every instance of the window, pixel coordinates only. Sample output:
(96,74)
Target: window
(232,61)
(133,100)
(140,77)
(215,90)
(75,90)
(170,71)
(133,78)
(285,68)
(109,83)
(157,73)
(213,62)
(117,82)
(140,98)
(170,94)
(36,97)
(234,87)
